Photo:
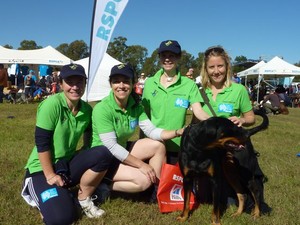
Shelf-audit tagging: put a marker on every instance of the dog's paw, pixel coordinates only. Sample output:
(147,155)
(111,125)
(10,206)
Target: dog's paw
(181,218)
(236,214)
(255,214)
(213,223)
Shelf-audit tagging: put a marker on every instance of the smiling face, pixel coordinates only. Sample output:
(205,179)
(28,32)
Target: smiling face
(216,70)
(122,87)
(168,60)
(73,87)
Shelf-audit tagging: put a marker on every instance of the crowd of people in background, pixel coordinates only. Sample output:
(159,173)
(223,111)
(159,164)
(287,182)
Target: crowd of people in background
(24,85)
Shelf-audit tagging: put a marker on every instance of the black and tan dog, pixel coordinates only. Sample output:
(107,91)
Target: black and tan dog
(208,149)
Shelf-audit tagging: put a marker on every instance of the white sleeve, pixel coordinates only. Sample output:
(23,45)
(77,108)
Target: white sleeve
(150,130)
(109,140)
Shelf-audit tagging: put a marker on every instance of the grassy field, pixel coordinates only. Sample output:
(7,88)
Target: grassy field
(278,147)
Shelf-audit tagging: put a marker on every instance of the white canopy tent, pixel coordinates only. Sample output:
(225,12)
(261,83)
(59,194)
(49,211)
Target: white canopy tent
(100,87)
(275,68)
(252,70)
(43,56)
(278,67)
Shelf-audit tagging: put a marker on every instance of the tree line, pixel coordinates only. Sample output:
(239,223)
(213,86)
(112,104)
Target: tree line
(137,55)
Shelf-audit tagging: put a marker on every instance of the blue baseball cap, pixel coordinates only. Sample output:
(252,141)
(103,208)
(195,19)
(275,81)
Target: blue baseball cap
(169,45)
(72,70)
(122,69)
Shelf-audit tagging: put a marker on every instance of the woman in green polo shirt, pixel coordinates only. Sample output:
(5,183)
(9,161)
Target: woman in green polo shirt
(230,100)
(167,96)
(54,164)
(227,98)
(115,119)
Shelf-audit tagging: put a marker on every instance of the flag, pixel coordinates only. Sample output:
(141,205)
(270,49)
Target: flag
(105,17)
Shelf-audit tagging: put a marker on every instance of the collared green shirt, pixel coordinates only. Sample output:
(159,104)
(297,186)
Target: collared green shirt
(231,101)
(53,114)
(167,106)
(109,117)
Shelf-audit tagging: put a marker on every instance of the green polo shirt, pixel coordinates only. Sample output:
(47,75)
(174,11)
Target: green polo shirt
(109,117)
(231,101)
(167,106)
(53,114)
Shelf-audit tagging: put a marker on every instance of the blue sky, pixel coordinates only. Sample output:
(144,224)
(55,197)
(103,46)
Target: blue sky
(253,29)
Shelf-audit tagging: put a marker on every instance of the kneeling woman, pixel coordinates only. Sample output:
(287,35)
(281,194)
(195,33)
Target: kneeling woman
(54,164)
(115,119)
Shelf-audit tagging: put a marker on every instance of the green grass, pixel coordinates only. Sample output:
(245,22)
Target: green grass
(278,147)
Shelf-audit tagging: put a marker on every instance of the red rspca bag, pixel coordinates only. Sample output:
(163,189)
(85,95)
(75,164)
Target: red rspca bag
(170,192)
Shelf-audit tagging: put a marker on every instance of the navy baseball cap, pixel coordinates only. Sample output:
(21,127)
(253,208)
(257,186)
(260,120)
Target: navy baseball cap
(122,69)
(169,45)
(72,70)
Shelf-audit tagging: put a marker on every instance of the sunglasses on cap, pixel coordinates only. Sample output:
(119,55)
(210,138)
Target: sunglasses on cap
(216,48)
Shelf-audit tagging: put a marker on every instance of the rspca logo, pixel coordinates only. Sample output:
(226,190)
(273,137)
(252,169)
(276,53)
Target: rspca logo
(225,107)
(133,124)
(177,178)
(175,194)
(50,193)
(182,103)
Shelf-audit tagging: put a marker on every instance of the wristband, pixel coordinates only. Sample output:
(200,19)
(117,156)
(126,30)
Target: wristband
(52,177)
(176,134)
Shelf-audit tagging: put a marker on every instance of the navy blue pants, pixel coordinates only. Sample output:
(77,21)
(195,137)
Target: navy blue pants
(57,204)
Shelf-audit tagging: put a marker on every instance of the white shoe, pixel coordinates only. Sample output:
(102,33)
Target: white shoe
(90,209)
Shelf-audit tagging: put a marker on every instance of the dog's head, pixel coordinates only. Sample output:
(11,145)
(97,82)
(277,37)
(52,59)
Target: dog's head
(209,141)
(215,133)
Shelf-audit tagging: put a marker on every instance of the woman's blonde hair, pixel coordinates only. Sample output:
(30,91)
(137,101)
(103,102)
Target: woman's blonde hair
(215,51)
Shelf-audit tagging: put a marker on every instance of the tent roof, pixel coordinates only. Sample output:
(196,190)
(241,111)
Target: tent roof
(274,68)
(279,67)
(252,70)
(46,56)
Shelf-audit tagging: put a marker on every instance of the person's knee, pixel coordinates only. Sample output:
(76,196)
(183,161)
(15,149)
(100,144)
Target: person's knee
(102,156)
(143,183)
(160,148)
(63,217)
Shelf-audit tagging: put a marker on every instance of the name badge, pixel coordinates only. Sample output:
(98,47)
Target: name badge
(182,103)
(225,107)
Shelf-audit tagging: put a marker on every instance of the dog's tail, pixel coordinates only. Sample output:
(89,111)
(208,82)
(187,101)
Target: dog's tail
(264,125)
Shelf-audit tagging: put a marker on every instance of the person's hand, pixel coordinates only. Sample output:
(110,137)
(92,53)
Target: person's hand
(179,132)
(149,172)
(237,121)
(56,180)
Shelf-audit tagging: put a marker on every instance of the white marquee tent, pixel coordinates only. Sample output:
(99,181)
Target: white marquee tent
(275,68)
(100,87)
(44,56)
(252,70)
